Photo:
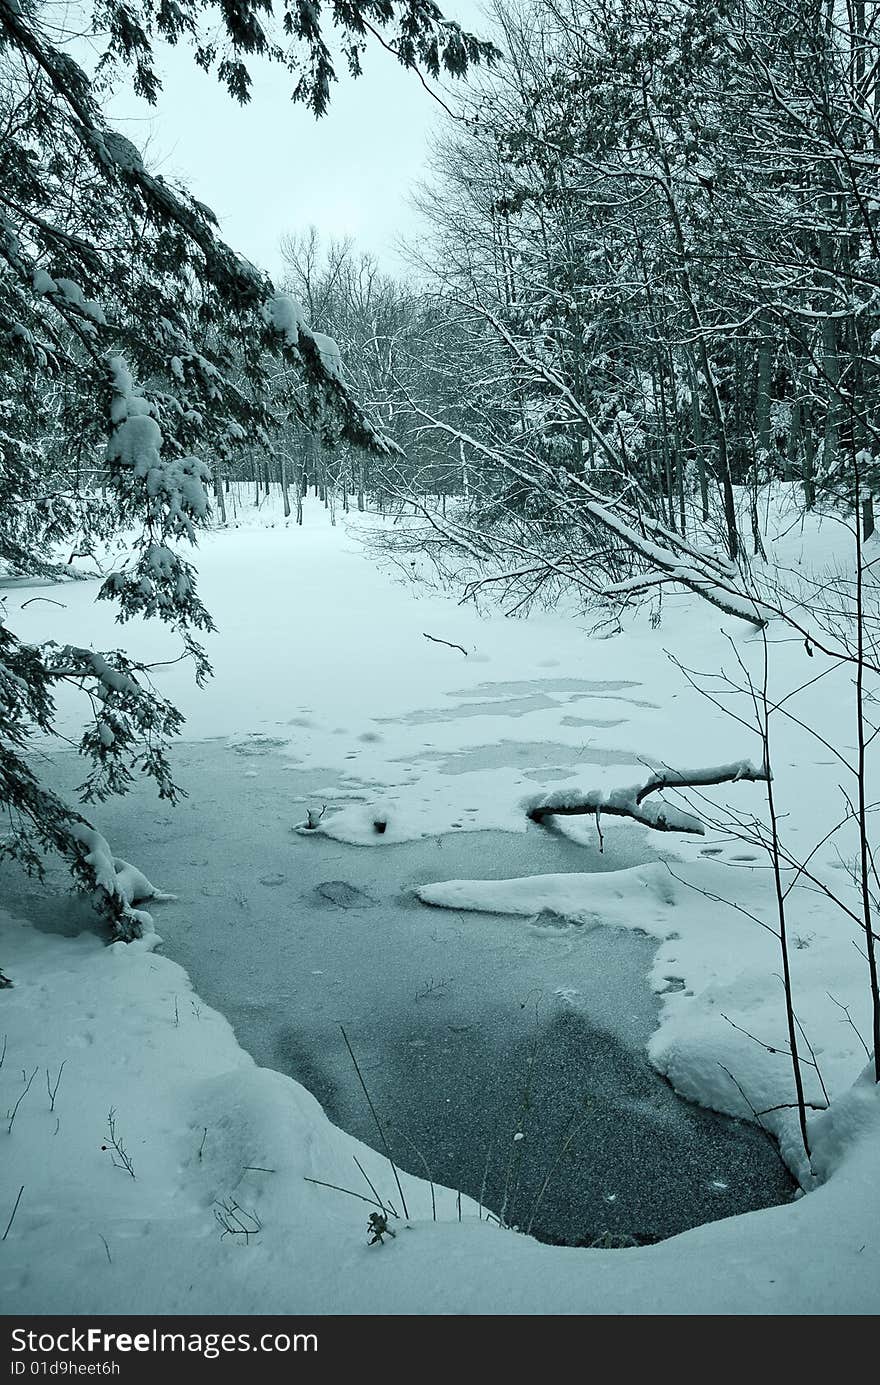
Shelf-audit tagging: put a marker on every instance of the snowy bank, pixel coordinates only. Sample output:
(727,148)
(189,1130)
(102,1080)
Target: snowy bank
(439,743)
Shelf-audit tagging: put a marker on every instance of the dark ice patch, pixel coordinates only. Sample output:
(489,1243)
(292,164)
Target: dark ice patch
(342,894)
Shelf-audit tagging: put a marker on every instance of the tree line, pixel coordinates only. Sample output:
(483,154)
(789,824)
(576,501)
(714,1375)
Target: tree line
(649,281)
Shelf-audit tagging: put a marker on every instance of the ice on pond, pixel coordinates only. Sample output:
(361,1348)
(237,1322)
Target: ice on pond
(468,1028)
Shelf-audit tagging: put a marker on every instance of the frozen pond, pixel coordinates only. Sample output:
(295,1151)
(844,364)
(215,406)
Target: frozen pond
(469,1029)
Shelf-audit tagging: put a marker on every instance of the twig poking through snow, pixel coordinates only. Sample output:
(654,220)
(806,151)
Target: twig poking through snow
(379,1126)
(312,820)
(761,1125)
(319,1183)
(53,1091)
(372,1187)
(14,1210)
(14,1111)
(449,644)
(237,1220)
(849,1020)
(120,1156)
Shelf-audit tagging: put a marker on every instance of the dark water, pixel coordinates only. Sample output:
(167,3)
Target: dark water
(468,1029)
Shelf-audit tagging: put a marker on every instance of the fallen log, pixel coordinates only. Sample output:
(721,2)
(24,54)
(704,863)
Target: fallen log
(630,802)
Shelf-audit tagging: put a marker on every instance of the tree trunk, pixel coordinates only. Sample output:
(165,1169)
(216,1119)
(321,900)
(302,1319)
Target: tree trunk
(218,496)
(284,495)
(793,446)
(763,387)
(697,426)
(809,466)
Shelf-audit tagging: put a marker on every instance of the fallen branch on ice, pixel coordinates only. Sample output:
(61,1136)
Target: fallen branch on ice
(630,802)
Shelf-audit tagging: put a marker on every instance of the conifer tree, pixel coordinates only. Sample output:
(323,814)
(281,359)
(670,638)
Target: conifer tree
(135,349)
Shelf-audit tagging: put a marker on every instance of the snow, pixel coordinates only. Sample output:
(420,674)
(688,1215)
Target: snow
(74,294)
(664,817)
(630,802)
(137,443)
(119,151)
(123,388)
(641,896)
(71,292)
(178,485)
(110,677)
(384,722)
(43,282)
(116,877)
(287,317)
(133,885)
(330,354)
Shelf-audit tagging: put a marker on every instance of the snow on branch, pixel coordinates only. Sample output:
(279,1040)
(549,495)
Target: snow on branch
(630,802)
(320,355)
(614,803)
(703,778)
(670,556)
(74,122)
(717,581)
(639,583)
(173,490)
(117,885)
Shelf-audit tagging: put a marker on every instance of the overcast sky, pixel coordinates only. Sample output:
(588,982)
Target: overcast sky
(270,167)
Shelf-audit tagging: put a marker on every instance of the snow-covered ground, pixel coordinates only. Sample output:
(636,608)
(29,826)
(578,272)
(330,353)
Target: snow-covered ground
(323,659)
